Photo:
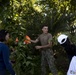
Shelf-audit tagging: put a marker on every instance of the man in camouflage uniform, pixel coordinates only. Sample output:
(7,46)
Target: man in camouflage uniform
(47,53)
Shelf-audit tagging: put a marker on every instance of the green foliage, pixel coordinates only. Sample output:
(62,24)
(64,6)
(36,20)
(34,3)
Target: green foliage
(23,60)
(25,17)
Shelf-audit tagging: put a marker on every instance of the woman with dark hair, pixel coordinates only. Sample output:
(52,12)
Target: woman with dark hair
(69,47)
(71,52)
(5,64)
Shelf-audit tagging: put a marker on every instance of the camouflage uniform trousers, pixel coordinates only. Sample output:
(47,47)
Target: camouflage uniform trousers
(47,56)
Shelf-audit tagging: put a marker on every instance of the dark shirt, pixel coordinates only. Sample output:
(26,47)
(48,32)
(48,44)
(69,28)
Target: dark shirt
(4,59)
(71,50)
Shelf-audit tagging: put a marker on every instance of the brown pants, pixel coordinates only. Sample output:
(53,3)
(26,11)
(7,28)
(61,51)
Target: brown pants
(47,56)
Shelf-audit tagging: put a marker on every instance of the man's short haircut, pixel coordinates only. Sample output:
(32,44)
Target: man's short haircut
(44,26)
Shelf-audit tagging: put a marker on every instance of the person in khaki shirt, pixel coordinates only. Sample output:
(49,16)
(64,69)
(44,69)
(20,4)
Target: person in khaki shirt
(46,51)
